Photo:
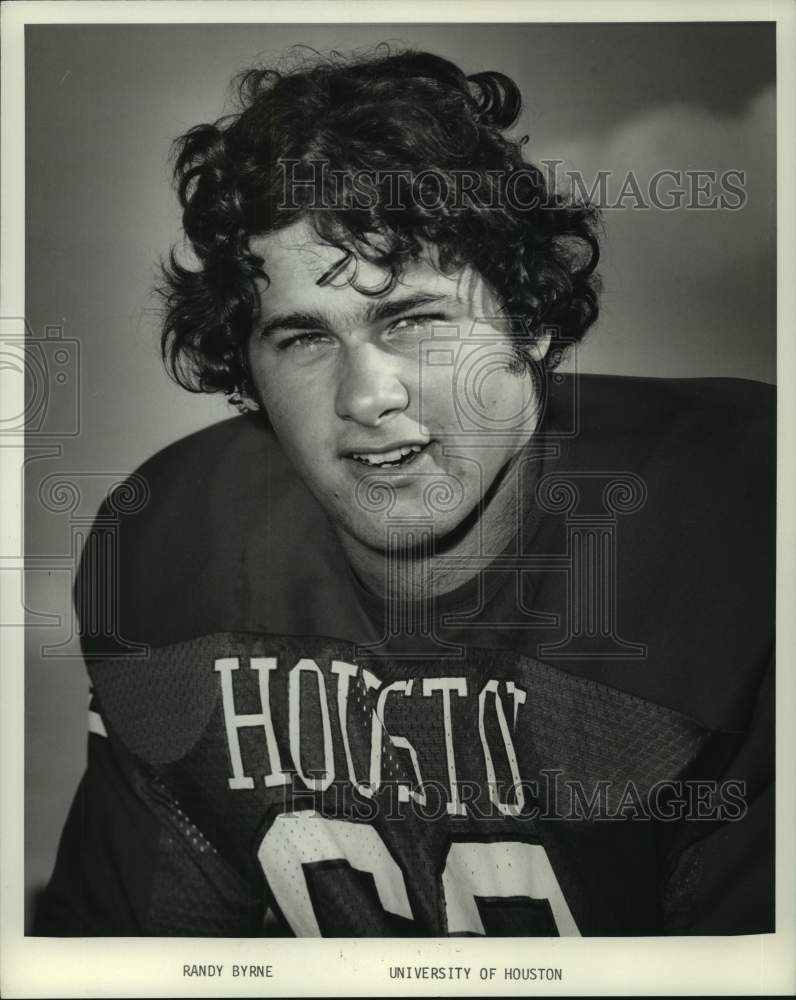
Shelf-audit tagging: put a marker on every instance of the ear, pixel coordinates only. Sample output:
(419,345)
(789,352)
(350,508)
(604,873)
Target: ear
(242,402)
(540,345)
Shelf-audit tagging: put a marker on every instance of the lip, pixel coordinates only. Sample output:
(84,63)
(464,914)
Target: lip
(386,448)
(405,471)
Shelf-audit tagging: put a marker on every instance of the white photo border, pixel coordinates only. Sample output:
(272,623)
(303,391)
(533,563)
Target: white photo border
(32,967)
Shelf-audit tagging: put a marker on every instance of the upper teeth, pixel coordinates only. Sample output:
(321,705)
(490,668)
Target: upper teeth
(387,456)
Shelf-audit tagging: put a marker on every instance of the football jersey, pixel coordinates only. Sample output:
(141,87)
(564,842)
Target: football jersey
(577,741)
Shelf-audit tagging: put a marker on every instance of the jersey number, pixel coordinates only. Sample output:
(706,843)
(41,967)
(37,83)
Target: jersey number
(476,874)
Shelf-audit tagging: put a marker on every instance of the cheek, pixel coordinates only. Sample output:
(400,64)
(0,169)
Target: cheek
(280,398)
(296,425)
(436,399)
(511,400)
(298,418)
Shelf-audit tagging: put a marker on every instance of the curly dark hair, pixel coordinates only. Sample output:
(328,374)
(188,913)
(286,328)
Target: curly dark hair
(385,116)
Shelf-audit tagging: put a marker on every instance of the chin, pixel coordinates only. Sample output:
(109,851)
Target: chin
(403,540)
(408,537)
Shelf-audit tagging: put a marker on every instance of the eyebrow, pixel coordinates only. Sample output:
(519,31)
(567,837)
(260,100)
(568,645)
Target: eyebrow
(374,312)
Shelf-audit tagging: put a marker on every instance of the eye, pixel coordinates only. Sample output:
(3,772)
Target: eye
(415,326)
(308,342)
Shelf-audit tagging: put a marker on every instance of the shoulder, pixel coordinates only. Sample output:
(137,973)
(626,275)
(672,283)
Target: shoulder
(213,483)
(198,459)
(704,448)
(627,415)
(225,539)
(694,551)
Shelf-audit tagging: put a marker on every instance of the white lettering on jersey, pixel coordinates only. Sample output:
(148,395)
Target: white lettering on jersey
(495,869)
(519,697)
(446,685)
(233,722)
(380,740)
(294,725)
(402,743)
(506,808)
(372,683)
(297,839)
(95,723)
(345,673)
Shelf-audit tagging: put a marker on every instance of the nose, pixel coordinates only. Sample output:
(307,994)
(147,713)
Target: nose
(370,389)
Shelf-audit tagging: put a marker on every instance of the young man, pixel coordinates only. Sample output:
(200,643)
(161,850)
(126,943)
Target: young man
(433,640)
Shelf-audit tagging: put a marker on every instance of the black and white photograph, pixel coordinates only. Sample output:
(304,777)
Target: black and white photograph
(400,553)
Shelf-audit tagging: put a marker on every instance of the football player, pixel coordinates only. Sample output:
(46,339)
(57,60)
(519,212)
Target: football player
(431,639)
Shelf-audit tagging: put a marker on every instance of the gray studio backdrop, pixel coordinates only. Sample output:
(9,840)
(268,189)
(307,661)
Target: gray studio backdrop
(688,292)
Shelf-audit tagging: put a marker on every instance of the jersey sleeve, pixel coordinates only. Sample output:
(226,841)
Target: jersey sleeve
(131,863)
(107,854)
(721,874)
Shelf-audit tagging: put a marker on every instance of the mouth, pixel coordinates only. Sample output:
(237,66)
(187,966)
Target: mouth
(396,458)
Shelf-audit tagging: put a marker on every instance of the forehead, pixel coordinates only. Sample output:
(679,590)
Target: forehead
(295,258)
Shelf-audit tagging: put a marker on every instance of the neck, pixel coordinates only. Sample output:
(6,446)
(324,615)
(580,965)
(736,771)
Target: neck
(437,566)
